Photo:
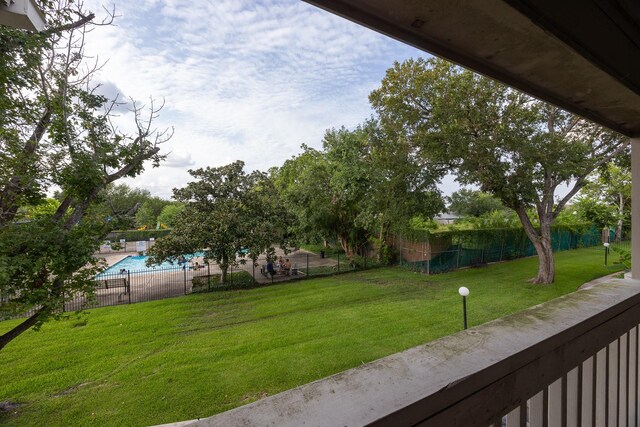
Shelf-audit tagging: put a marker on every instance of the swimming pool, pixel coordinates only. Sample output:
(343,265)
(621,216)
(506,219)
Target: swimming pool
(138,264)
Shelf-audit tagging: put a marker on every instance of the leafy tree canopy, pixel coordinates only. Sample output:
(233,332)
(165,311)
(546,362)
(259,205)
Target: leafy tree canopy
(361,184)
(118,203)
(228,214)
(147,214)
(169,214)
(57,133)
(467,202)
(512,146)
(607,197)
(42,209)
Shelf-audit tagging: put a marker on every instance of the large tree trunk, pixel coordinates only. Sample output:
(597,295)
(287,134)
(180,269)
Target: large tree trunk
(546,262)
(224,266)
(541,240)
(344,243)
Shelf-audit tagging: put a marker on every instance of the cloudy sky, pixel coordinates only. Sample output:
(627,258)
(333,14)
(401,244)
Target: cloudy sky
(242,79)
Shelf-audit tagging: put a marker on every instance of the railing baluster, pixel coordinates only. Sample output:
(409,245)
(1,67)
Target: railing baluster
(632,378)
(572,402)
(612,389)
(556,403)
(536,410)
(545,407)
(623,373)
(588,382)
(579,403)
(524,416)
(513,418)
(599,397)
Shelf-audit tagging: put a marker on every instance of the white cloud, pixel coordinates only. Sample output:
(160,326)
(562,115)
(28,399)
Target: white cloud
(180,161)
(242,79)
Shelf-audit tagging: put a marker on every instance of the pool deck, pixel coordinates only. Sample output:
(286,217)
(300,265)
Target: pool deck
(314,259)
(152,284)
(112,258)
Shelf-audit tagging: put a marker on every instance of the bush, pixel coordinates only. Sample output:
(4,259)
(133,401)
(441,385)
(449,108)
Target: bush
(356,262)
(235,280)
(625,257)
(323,270)
(387,254)
(330,251)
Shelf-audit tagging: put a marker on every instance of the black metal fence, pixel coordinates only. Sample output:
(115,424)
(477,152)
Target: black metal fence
(113,288)
(129,287)
(310,265)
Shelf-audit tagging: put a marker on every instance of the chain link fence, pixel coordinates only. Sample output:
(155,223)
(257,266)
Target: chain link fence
(443,252)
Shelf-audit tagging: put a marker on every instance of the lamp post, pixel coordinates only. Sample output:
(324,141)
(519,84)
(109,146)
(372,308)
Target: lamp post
(606,252)
(464,292)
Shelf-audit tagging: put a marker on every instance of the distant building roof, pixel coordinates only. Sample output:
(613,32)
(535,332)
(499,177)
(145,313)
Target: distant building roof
(446,217)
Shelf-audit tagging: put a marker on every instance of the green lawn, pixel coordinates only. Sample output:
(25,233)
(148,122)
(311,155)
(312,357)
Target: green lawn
(194,356)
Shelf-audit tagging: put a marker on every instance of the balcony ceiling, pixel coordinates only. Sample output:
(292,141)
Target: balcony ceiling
(582,55)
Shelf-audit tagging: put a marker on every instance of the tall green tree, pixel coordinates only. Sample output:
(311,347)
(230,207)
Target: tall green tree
(402,184)
(56,133)
(362,184)
(170,213)
(467,202)
(147,214)
(593,210)
(610,186)
(512,146)
(302,183)
(228,214)
(118,203)
(350,183)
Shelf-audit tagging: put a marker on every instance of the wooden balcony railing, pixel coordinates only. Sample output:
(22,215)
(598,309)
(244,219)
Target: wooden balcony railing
(570,362)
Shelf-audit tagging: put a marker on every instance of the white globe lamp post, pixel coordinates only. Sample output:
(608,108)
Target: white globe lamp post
(464,293)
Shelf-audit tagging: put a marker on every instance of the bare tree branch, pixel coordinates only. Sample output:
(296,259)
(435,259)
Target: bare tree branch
(73,25)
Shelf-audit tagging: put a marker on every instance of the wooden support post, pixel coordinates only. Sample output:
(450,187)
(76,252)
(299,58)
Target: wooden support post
(635,208)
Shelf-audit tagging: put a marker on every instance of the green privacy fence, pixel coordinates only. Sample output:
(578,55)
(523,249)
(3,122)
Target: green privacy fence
(440,252)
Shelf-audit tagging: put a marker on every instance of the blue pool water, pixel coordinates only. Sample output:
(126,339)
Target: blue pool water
(137,264)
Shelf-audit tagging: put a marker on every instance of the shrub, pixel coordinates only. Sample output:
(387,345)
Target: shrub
(235,280)
(387,254)
(625,257)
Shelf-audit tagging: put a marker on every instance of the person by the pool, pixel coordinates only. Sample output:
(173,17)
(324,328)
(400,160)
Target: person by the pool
(270,269)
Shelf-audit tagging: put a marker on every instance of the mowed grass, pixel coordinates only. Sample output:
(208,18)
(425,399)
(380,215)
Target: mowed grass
(198,355)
